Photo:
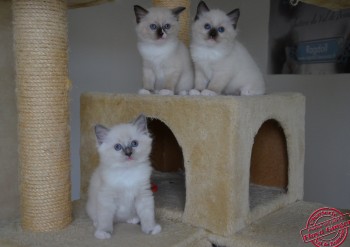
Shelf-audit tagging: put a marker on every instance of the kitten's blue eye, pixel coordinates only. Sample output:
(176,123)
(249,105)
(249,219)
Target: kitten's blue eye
(207,26)
(134,144)
(167,26)
(118,147)
(153,26)
(221,29)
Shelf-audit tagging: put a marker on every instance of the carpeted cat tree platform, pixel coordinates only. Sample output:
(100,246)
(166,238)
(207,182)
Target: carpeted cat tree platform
(242,157)
(229,170)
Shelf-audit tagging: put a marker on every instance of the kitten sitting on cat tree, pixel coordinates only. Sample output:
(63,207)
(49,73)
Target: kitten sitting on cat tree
(222,64)
(167,66)
(120,188)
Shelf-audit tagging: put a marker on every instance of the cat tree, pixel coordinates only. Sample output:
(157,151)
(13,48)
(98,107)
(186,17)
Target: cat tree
(226,142)
(221,153)
(40,41)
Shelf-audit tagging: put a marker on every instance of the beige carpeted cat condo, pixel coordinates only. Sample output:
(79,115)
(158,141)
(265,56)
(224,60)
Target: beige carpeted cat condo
(242,156)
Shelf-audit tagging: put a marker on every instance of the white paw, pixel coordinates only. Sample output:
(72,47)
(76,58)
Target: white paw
(156,229)
(248,92)
(207,92)
(166,92)
(102,234)
(183,93)
(134,220)
(144,91)
(194,92)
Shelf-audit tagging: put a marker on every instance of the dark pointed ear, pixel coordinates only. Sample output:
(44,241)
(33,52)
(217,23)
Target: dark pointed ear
(141,123)
(101,133)
(139,13)
(202,7)
(234,15)
(176,11)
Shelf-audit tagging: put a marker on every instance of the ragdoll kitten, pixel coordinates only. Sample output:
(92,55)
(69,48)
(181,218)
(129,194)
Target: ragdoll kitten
(222,64)
(119,188)
(167,65)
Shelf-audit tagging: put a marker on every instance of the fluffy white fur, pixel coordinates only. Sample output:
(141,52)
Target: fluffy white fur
(119,188)
(167,65)
(222,64)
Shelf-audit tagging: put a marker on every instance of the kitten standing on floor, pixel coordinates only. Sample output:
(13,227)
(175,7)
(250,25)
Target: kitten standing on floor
(119,189)
(222,64)
(167,65)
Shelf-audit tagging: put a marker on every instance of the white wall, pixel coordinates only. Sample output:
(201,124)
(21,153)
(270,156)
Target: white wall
(9,197)
(103,57)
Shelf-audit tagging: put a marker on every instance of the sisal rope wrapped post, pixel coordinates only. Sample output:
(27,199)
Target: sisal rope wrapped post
(184,32)
(40,36)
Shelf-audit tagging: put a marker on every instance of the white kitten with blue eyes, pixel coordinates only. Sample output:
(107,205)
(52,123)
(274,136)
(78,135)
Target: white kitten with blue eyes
(119,189)
(167,65)
(222,64)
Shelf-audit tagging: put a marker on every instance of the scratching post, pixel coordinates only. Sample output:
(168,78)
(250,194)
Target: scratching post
(184,16)
(40,35)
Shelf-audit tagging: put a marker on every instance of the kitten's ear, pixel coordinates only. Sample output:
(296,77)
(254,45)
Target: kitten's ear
(139,13)
(101,133)
(141,123)
(234,15)
(202,7)
(176,12)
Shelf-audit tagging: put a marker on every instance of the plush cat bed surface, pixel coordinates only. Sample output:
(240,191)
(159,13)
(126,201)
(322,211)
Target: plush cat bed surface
(227,145)
(81,234)
(279,229)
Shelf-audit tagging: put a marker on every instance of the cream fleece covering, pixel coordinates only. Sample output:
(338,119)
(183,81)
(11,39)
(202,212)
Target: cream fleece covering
(216,135)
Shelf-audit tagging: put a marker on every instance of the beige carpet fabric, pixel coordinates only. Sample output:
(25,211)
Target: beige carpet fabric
(279,229)
(81,234)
